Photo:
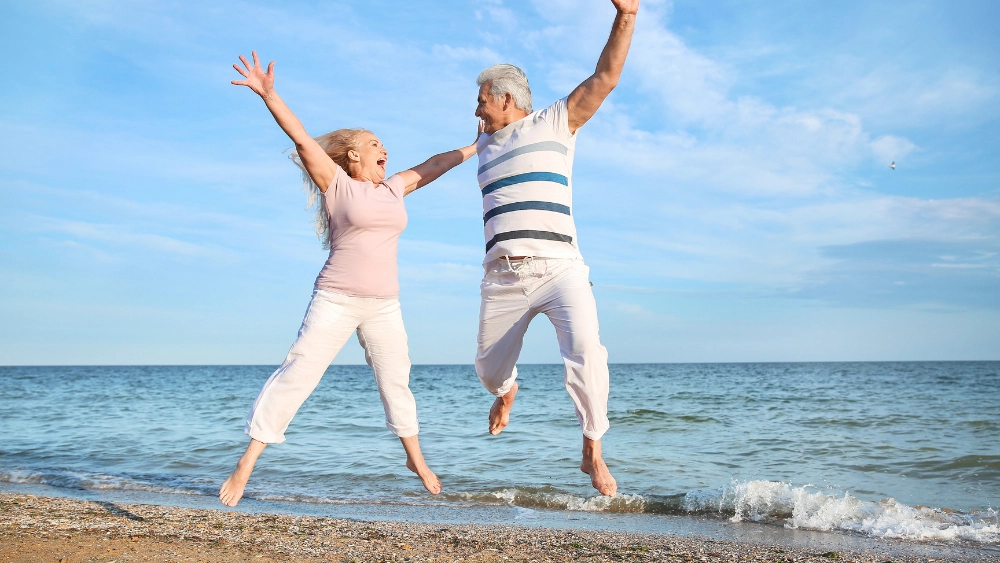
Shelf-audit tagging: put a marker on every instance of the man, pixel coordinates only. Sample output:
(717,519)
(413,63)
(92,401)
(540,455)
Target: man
(533,264)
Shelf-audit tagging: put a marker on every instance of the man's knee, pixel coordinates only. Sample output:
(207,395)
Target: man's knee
(494,378)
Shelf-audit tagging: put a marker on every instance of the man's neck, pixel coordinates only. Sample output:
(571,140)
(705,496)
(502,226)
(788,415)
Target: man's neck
(513,117)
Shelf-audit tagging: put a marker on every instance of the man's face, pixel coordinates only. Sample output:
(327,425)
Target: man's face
(491,112)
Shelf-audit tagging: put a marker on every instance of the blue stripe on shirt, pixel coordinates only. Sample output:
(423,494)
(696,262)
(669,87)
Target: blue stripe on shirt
(527,177)
(522,205)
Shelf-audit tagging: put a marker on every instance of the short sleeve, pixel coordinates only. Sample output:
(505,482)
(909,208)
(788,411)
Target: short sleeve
(339,177)
(557,116)
(396,185)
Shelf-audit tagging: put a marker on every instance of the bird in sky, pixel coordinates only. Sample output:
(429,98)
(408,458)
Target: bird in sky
(893,165)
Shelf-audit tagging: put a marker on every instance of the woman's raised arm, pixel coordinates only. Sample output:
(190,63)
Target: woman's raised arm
(432,169)
(315,160)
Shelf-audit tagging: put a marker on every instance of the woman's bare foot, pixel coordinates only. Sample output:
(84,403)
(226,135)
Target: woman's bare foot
(232,489)
(415,463)
(593,465)
(427,477)
(500,411)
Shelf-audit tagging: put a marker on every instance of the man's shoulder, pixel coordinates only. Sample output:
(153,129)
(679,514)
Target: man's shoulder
(552,120)
(555,116)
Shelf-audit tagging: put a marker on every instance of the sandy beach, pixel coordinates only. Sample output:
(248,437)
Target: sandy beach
(34,528)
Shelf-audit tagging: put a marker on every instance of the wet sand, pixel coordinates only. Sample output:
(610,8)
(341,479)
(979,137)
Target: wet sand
(34,528)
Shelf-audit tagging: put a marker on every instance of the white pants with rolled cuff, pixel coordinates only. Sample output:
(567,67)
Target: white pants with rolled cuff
(513,293)
(329,322)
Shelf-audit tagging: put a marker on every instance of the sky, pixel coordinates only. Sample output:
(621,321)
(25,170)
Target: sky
(733,196)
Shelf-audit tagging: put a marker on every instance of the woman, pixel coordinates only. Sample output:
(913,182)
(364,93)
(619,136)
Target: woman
(360,216)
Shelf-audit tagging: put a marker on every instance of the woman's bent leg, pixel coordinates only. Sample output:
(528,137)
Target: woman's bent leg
(383,337)
(329,322)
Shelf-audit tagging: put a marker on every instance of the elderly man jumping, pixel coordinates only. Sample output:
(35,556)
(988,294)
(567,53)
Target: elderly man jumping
(533,264)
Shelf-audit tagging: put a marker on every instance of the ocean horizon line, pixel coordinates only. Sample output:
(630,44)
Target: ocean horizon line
(435,364)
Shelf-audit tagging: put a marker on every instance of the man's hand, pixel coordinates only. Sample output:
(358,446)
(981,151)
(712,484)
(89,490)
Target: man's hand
(626,6)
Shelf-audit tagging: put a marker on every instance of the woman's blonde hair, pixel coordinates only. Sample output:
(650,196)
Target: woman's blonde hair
(336,144)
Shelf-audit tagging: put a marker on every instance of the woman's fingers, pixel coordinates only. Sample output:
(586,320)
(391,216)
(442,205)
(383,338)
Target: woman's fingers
(250,72)
(249,68)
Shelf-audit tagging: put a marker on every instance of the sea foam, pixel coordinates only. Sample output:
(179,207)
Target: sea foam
(552,500)
(800,507)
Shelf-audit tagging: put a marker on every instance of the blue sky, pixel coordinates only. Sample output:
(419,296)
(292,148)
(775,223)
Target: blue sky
(733,197)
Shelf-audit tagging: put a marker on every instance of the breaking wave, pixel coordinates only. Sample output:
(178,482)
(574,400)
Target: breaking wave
(802,508)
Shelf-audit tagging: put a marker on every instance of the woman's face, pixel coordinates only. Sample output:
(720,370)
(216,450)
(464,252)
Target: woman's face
(372,159)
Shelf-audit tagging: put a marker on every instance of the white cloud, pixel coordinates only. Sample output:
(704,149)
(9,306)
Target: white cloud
(692,87)
(921,96)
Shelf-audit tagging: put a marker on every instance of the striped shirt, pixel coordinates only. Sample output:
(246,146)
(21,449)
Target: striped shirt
(525,175)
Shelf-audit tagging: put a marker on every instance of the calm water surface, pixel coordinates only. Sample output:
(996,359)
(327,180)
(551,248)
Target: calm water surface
(902,450)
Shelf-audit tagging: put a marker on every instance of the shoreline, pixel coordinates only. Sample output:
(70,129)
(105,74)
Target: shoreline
(42,528)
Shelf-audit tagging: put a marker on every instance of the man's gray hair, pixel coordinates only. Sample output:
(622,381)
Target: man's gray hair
(504,79)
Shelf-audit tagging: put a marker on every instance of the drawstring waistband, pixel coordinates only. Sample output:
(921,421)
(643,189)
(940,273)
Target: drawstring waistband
(521,269)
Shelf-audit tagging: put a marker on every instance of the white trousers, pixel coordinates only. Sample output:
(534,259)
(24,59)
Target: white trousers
(329,322)
(512,294)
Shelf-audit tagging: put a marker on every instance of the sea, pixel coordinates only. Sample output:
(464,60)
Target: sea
(908,451)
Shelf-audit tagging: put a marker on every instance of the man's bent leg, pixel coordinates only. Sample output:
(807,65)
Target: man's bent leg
(503,320)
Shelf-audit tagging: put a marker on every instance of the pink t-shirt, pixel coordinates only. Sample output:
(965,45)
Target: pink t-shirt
(365,224)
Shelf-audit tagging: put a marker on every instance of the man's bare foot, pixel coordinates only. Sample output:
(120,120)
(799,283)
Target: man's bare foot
(415,463)
(500,411)
(593,465)
(232,489)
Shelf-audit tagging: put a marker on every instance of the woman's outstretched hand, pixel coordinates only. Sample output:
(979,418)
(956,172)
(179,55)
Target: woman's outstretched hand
(480,130)
(256,79)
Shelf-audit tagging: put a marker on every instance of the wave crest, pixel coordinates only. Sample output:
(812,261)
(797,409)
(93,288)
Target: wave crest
(799,507)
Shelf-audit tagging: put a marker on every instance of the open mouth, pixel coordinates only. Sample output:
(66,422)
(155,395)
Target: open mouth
(381,162)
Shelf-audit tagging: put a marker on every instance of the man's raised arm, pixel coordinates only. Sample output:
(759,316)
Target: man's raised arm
(590,94)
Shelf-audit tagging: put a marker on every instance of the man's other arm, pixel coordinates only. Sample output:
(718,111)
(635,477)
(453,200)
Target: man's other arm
(590,94)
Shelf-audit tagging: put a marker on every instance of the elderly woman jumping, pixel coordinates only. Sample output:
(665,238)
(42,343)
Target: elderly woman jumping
(360,216)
